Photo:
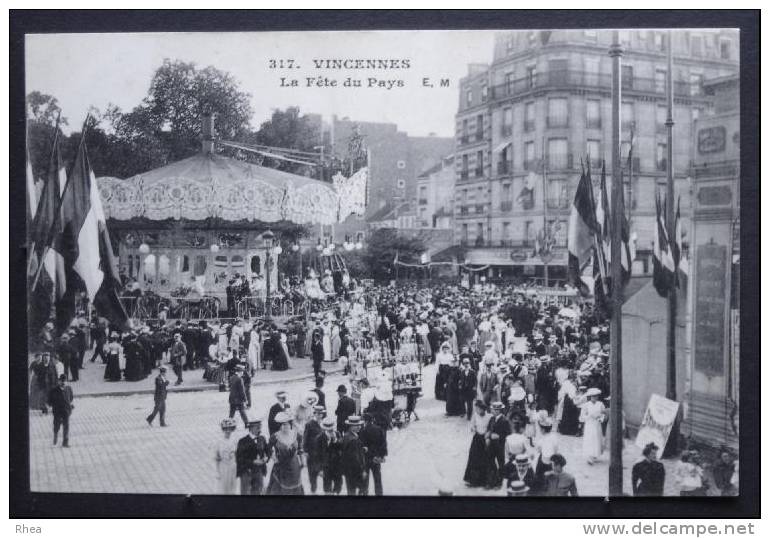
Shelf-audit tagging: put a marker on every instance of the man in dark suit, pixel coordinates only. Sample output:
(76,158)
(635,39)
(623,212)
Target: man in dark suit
(238,396)
(178,354)
(161,391)
(313,430)
(467,386)
(251,456)
(346,407)
(281,405)
(328,454)
(190,339)
(66,354)
(353,461)
(60,398)
(498,429)
(649,475)
(376,448)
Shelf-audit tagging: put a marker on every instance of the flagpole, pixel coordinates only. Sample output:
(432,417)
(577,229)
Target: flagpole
(545,219)
(616,380)
(672,294)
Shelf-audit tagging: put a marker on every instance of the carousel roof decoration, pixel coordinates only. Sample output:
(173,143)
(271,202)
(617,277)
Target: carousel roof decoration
(208,185)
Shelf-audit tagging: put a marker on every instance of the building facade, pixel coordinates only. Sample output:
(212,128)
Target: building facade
(526,124)
(435,195)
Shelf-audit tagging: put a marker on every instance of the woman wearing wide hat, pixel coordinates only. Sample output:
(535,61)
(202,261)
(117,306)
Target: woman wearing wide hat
(285,476)
(593,414)
(224,456)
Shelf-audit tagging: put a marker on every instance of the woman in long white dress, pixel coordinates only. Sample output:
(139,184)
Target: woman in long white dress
(254,347)
(593,414)
(224,456)
(326,340)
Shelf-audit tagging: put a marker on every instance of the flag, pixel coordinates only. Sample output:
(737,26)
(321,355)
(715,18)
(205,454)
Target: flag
(680,261)
(86,248)
(582,231)
(45,268)
(663,268)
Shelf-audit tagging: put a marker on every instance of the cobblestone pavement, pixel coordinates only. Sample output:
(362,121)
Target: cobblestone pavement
(114,450)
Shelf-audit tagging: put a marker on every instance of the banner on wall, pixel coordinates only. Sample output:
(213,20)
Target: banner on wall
(657,422)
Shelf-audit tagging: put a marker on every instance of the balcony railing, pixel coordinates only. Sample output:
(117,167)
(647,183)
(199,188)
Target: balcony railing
(479,172)
(588,80)
(503,168)
(506,206)
(463,210)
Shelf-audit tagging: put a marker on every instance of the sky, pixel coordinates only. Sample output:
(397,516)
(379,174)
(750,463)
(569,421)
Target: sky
(83,70)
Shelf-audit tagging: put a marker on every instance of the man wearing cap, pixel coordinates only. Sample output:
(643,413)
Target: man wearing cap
(376,447)
(309,445)
(346,407)
(60,398)
(178,355)
(161,391)
(238,398)
(648,475)
(251,457)
(281,405)
(353,460)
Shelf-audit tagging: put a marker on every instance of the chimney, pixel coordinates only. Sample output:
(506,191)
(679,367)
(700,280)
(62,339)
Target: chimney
(207,133)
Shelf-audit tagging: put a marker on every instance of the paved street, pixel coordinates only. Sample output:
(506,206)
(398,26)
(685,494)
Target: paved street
(114,450)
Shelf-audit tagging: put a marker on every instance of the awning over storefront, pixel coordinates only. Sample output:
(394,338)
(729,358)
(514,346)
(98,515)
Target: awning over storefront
(511,257)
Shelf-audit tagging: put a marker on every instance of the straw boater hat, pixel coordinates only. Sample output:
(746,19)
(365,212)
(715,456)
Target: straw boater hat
(319,409)
(354,420)
(227,424)
(522,458)
(280,394)
(545,422)
(593,392)
(518,487)
(329,423)
(497,405)
(282,417)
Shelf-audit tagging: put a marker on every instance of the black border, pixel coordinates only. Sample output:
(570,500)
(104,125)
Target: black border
(23,503)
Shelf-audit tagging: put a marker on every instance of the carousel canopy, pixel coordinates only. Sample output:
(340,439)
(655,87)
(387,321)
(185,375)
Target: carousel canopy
(209,185)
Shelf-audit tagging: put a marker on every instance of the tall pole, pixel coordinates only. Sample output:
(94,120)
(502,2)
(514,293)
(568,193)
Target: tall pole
(671,333)
(268,265)
(672,445)
(616,380)
(545,219)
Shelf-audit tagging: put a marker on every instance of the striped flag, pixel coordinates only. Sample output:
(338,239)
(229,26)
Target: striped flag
(86,248)
(45,268)
(583,229)
(663,266)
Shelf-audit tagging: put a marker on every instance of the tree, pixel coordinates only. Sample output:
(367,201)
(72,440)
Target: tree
(288,129)
(383,245)
(42,113)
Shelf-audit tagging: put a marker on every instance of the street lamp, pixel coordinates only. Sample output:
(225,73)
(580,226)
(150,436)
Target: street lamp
(268,238)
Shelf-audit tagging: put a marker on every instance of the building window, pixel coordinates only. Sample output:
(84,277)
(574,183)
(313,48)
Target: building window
(660,81)
(509,83)
(464,234)
(696,45)
(465,166)
(661,113)
(557,153)
(464,132)
(593,114)
(469,97)
(594,151)
(484,92)
(627,115)
(479,127)
(531,76)
(591,64)
(507,122)
(529,117)
(557,194)
(724,49)
(199,268)
(185,263)
(660,43)
(506,194)
(627,77)
(479,163)
(660,157)
(506,235)
(256,265)
(529,156)
(480,233)
(557,112)
(696,81)
(529,233)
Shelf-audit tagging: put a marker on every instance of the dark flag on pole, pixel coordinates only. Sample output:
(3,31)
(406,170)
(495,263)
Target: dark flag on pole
(663,268)
(85,245)
(45,268)
(582,230)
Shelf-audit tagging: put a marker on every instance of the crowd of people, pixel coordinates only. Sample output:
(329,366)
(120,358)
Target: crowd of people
(524,368)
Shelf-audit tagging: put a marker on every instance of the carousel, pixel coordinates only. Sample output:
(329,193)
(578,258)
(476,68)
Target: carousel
(188,230)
